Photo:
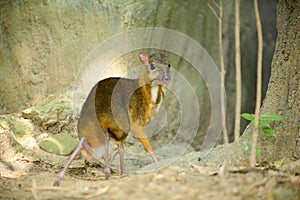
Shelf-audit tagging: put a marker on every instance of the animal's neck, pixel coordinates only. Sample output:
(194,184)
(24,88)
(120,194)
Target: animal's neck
(143,79)
(157,94)
(153,92)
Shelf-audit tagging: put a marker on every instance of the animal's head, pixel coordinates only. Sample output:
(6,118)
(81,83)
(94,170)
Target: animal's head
(157,68)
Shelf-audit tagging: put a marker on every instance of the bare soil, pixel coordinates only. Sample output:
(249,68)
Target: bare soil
(187,178)
(28,172)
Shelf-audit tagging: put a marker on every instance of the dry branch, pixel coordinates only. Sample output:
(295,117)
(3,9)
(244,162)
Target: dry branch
(258,84)
(238,82)
(223,72)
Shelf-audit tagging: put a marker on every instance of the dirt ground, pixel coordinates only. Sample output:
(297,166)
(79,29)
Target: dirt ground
(28,172)
(185,178)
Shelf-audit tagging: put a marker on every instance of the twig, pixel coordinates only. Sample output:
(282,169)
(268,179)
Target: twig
(257,184)
(212,10)
(99,192)
(258,84)
(238,82)
(33,189)
(222,92)
(223,105)
(54,188)
(219,17)
(218,6)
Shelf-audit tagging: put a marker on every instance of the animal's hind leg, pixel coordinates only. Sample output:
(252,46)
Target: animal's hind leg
(63,172)
(121,153)
(106,164)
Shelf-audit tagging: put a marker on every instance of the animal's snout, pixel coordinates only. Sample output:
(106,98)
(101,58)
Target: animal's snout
(166,78)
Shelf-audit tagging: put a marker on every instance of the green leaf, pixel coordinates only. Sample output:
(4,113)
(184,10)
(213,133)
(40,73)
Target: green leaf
(271,116)
(248,116)
(263,123)
(268,131)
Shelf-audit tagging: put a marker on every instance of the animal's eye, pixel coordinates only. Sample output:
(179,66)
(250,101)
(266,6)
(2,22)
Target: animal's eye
(169,65)
(152,66)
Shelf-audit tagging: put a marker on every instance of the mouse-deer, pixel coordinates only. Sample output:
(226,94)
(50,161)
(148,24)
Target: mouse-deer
(116,106)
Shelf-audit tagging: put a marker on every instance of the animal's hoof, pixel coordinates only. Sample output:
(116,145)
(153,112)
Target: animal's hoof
(107,172)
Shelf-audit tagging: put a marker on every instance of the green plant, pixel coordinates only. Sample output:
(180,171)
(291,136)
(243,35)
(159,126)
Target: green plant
(264,127)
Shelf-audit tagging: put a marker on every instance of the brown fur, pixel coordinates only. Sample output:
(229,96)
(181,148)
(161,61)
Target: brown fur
(116,106)
(124,105)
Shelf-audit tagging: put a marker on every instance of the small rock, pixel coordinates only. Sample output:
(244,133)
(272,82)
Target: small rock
(21,129)
(60,144)
(235,190)
(281,194)
(293,167)
(52,118)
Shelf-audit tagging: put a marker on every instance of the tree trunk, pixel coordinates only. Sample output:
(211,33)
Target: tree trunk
(283,92)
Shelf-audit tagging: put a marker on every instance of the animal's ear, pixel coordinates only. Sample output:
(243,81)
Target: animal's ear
(144,58)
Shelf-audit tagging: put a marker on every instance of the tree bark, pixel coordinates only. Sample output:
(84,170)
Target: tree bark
(283,92)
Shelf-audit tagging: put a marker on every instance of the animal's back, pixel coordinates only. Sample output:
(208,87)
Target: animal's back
(113,99)
(113,92)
